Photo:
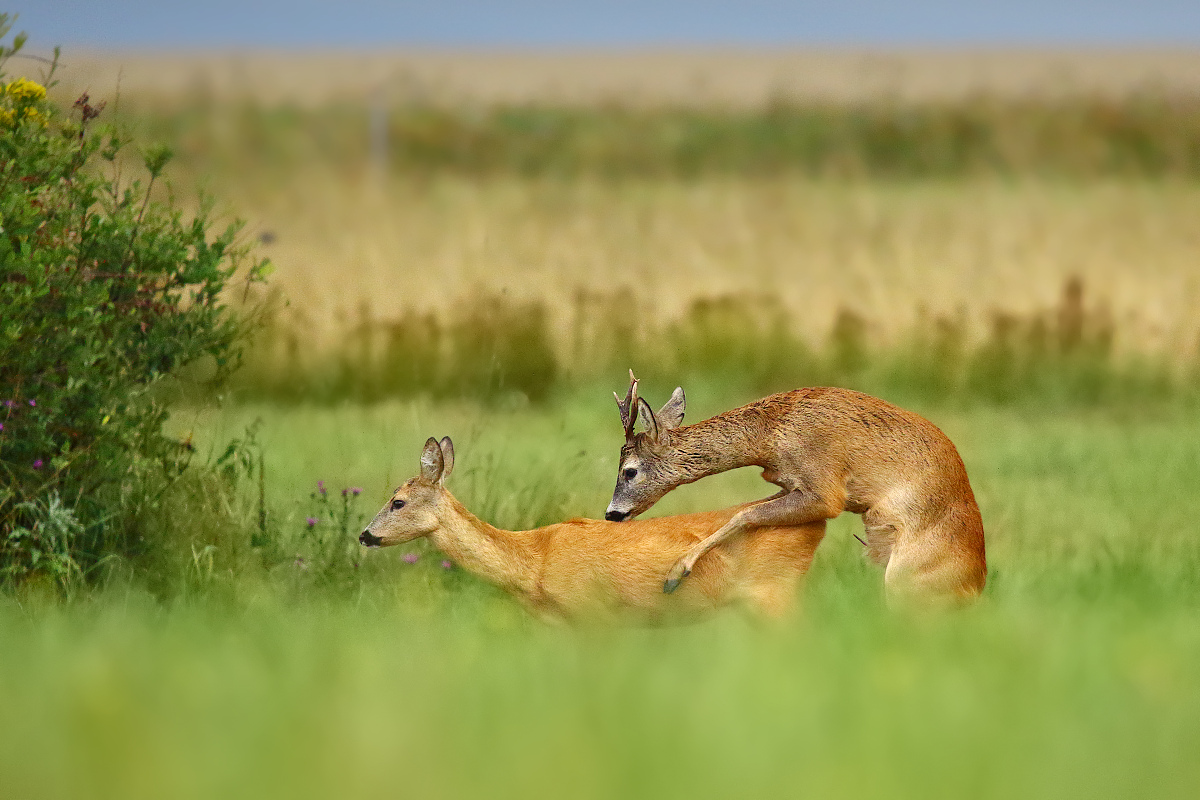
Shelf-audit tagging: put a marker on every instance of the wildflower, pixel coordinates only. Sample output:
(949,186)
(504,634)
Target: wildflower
(447,565)
(6,117)
(1,426)
(321,487)
(356,491)
(8,404)
(37,464)
(33,115)
(344,491)
(411,558)
(24,90)
(32,402)
(312,521)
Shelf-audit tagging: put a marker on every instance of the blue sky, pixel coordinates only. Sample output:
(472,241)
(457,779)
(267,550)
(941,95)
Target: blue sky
(608,23)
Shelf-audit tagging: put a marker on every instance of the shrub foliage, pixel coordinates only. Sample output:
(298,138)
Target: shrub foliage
(105,291)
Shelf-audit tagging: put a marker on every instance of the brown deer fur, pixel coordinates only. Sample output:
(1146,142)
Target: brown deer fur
(828,450)
(587,568)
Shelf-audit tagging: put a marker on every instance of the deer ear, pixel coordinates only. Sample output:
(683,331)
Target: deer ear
(447,448)
(671,414)
(432,463)
(646,415)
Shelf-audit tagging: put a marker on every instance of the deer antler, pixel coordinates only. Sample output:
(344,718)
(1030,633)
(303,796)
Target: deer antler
(628,406)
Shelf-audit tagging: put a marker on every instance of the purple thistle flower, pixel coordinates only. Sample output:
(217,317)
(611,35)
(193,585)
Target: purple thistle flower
(312,521)
(37,464)
(8,403)
(1,426)
(447,565)
(32,402)
(356,491)
(344,492)
(321,487)
(411,558)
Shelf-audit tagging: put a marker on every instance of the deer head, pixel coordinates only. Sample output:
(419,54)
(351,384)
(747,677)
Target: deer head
(412,511)
(643,477)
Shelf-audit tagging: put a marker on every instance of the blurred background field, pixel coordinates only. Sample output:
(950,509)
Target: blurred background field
(479,245)
(1036,204)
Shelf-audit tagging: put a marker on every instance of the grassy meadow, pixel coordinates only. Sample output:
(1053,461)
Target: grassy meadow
(1041,310)
(1074,676)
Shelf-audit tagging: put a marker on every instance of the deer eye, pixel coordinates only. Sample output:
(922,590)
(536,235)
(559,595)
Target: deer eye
(397,504)
(630,474)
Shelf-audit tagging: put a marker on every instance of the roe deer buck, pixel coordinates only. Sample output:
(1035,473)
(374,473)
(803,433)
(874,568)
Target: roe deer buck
(828,450)
(586,567)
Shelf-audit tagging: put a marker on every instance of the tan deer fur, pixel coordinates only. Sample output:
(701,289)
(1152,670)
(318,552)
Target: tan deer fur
(587,568)
(829,450)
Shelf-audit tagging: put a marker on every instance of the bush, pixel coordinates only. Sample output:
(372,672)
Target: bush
(105,292)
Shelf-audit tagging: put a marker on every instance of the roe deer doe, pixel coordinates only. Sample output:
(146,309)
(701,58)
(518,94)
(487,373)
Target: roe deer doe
(828,450)
(592,568)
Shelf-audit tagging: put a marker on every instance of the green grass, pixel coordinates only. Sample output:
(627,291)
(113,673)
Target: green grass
(493,347)
(1153,134)
(1078,674)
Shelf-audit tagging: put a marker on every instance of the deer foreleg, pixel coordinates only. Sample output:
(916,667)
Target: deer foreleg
(794,508)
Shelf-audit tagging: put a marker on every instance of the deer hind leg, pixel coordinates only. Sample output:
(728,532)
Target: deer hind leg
(938,584)
(940,565)
(794,508)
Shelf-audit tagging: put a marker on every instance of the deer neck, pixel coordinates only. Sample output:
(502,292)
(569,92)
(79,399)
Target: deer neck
(498,556)
(721,443)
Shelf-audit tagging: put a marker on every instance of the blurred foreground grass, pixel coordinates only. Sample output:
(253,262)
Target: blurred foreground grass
(1013,698)
(1077,675)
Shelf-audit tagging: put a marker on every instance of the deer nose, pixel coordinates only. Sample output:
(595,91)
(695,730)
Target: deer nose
(367,540)
(615,516)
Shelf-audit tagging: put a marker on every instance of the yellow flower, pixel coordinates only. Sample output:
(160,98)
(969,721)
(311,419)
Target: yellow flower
(33,115)
(24,90)
(6,117)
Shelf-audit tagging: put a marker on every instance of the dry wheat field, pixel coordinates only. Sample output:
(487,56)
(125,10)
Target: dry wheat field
(886,250)
(727,77)
(351,243)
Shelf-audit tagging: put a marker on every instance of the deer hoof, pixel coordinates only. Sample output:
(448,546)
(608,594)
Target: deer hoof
(673,580)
